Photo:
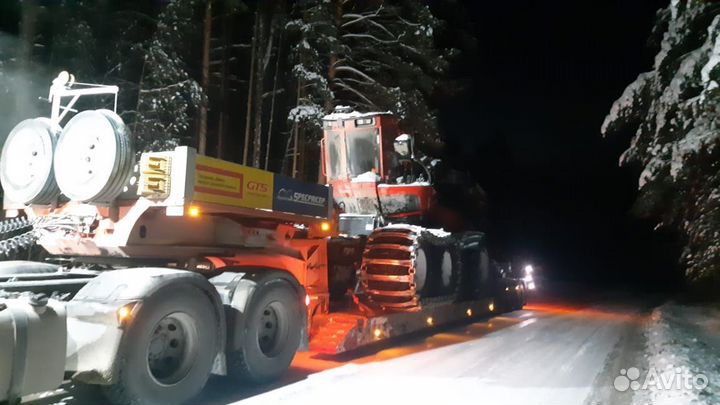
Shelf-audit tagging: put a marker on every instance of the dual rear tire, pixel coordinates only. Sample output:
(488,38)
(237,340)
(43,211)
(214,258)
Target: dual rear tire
(168,351)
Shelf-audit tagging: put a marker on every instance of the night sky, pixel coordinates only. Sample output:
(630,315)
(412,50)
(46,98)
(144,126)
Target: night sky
(544,75)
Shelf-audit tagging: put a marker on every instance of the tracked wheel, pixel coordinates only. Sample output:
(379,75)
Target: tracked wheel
(403,266)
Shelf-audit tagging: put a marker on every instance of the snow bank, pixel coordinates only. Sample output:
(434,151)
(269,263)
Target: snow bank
(682,339)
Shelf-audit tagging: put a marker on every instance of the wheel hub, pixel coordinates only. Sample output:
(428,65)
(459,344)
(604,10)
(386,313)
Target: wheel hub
(172,348)
(268,331)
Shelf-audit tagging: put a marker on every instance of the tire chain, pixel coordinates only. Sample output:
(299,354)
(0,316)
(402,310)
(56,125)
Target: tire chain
(14,226)
(17,235)
(13,243)
(419,236)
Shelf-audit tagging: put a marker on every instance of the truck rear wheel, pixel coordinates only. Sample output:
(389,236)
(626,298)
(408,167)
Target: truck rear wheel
(272,332)
(168,352)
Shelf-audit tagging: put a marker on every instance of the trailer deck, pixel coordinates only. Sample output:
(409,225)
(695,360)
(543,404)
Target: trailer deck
(343,331)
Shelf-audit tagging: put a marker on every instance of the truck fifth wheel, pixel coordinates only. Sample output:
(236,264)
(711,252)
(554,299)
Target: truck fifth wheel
(166,267)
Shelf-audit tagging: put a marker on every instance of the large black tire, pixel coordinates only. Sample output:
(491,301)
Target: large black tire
(485,286)
(475,279)
(271,336)
(450,270)
(167,354)
(423,270)
(442,267)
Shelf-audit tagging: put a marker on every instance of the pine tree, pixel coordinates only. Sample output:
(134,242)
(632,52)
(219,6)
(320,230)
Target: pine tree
(391,63)
(674,111)
(74,47)
(168,95)
(372,56)
(313,36)
(149,61)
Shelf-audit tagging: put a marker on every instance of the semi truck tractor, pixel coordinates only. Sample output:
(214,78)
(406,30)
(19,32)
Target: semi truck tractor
(159,269)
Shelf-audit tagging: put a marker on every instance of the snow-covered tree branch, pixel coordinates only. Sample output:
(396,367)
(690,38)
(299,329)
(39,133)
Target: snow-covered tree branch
(673,113)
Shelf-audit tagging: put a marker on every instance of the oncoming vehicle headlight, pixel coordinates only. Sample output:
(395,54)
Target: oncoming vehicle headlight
(528,278)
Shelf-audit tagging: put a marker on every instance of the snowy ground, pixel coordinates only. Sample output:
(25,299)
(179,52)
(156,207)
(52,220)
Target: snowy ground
(683,352)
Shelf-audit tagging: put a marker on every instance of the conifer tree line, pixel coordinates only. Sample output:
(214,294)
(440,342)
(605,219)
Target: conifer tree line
(246,81)
(673,112)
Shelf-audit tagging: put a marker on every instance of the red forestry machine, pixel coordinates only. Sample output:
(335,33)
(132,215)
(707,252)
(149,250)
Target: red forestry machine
(398,199)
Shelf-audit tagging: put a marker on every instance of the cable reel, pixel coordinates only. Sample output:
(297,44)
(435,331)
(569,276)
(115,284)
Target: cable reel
(94,157)
(26,163)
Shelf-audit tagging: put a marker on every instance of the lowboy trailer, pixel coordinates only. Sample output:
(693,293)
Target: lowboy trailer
(173,266)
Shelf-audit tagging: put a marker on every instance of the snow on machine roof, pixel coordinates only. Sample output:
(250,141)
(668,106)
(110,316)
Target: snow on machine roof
(345,112)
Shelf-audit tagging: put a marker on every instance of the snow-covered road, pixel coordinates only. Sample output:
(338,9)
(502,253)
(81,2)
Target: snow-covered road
(542,355)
